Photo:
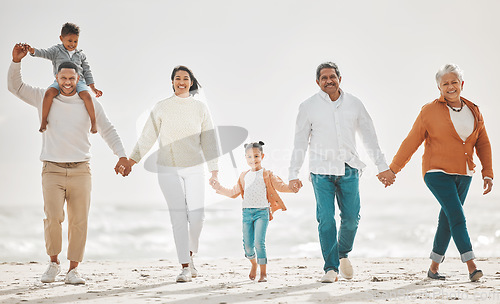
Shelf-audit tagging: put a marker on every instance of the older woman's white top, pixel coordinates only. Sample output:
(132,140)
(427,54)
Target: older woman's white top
(185,131)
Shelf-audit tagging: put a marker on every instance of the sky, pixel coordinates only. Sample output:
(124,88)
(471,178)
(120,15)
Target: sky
(256,61)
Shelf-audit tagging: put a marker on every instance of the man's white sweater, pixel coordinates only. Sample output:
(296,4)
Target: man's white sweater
(67,138)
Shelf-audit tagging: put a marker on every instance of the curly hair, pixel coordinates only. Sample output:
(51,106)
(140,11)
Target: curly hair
(70,28)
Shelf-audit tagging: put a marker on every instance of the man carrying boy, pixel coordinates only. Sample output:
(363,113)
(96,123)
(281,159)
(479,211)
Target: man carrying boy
(327,123)
(67,51)
(65,156)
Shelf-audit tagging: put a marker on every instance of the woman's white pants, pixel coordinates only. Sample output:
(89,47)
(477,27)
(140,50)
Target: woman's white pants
(184,191)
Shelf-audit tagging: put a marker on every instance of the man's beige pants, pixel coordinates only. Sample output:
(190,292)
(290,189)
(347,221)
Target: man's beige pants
(70,182)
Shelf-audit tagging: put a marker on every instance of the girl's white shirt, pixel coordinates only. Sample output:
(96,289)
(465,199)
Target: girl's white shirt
(255,190)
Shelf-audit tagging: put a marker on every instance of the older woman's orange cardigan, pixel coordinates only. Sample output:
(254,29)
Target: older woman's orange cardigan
(444,149)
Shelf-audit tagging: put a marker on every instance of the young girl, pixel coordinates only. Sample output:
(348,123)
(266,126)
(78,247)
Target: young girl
(257,187)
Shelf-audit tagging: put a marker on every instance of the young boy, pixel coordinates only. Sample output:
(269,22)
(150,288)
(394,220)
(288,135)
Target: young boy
(60,53)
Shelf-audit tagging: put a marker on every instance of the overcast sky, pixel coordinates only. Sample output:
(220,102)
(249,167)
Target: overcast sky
(256,62)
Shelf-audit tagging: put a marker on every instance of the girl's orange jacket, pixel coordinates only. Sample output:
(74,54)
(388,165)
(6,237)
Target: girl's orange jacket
(272,182)
(444,149)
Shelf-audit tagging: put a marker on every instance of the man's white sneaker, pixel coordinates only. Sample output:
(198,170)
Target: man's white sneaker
(330,277)
(51,273)
(194,272)
(73,277)
(184,276)
(346,268)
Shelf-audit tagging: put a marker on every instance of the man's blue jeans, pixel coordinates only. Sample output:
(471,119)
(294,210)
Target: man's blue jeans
(346,189)
(255,221)
(450,191)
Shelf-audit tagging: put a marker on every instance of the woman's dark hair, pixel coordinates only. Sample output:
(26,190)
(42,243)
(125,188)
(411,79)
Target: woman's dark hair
(195,86)
(257,145)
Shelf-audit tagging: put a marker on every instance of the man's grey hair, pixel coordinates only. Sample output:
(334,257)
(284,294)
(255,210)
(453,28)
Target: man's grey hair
(327,65)
(449,68)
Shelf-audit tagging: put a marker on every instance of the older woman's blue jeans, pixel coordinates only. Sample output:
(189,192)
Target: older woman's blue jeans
(255,221)
(346,189)
(450,191)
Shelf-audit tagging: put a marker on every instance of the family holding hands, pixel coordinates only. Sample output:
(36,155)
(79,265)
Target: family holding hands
(451,128)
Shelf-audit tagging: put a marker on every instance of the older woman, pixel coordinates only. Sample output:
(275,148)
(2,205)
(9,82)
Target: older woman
(187,139)
(452,127)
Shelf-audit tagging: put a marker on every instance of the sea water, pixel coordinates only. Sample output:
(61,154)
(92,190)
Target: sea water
(399,227)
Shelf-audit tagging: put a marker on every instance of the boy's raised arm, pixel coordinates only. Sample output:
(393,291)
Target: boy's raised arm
(49,53)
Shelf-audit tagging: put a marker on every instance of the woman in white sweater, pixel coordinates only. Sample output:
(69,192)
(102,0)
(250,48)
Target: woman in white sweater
(184,129)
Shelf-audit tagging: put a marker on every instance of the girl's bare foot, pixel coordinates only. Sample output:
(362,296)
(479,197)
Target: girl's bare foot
(263,274)
(253,271)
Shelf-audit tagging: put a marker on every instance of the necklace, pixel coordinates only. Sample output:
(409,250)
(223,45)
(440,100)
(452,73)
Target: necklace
(457,110)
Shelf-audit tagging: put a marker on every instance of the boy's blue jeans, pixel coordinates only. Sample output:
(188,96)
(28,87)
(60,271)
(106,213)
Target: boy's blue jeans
(450,191)
(255,221)
(346,189)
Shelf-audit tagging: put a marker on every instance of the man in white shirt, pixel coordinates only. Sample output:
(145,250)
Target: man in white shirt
(65,155)
(327,124)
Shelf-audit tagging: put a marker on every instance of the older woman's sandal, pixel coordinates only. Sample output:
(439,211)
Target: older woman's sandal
(475,275)
(435,276)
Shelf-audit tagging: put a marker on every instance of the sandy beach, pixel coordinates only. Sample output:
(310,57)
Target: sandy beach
(393,280)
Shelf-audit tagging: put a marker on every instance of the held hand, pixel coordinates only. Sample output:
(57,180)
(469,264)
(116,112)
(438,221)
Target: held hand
(295,185)
(387,177)
(213,179)
(19,52)
(123,166)
(131,163)
(216,185)
(488,184)
(97,92)
(29,48)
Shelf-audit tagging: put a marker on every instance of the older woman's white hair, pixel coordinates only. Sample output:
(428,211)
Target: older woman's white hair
(449,68)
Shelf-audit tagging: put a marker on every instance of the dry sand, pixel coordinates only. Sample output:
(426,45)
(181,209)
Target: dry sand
(387,280)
